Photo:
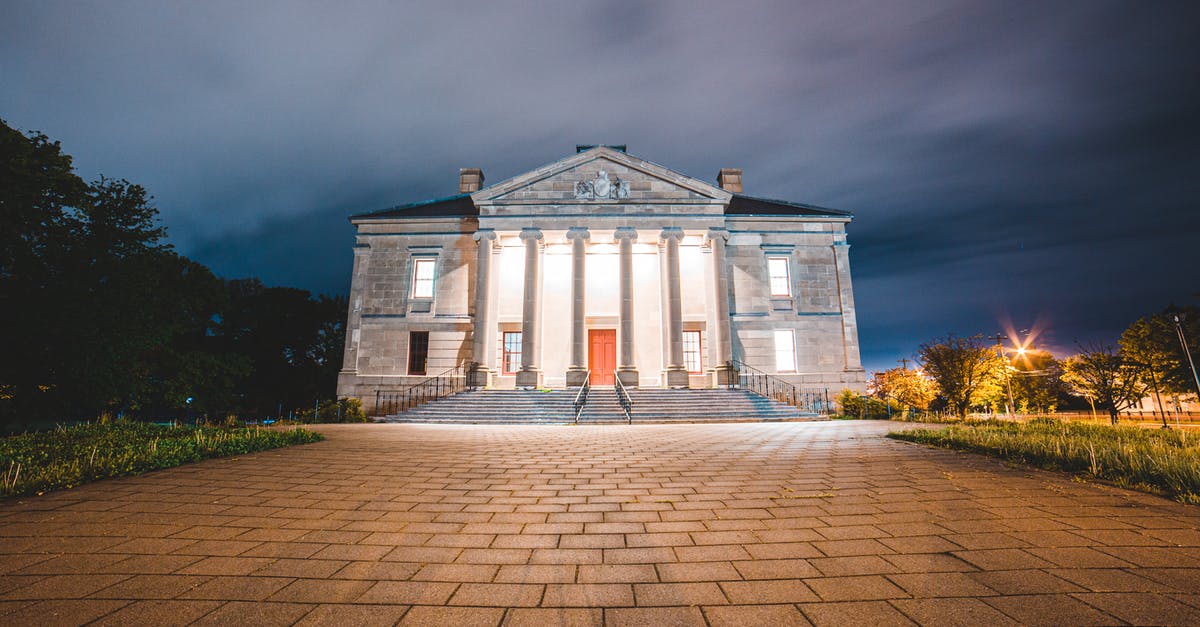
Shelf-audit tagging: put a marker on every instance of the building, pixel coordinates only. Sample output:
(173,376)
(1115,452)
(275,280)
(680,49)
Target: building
(600,263)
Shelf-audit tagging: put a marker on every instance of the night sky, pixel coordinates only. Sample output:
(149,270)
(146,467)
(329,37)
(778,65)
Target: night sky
(1010,165)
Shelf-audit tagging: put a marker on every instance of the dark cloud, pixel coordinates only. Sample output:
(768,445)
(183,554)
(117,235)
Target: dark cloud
(1005,161)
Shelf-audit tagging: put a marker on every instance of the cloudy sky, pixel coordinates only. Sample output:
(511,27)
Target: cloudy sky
(1024,165)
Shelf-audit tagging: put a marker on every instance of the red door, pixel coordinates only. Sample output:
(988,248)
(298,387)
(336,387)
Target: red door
(602,355)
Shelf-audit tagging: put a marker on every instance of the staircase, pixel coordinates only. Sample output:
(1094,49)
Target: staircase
(555,406)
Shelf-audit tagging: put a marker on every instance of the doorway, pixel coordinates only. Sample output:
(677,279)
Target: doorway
(602,355)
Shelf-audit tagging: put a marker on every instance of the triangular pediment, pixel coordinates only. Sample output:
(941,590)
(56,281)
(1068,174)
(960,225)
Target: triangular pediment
(601,175)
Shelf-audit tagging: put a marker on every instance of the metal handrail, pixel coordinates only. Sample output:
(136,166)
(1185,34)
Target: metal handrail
(775,388)
(432,388)
(581,397)
(623,398)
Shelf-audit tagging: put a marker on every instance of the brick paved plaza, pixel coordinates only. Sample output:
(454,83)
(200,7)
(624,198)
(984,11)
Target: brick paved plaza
(745,524)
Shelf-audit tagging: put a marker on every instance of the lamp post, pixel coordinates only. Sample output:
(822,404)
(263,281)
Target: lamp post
(1187,351)
(1007,376)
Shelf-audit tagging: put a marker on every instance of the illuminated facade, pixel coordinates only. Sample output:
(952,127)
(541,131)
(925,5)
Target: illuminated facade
(606,264)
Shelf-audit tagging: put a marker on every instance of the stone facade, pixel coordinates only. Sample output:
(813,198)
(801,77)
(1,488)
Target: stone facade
(525,283)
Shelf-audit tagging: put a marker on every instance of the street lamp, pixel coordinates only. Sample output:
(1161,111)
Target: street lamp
(1007,376)
(1187,351)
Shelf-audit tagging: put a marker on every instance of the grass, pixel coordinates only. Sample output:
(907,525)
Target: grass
(1161,461)
(35,463)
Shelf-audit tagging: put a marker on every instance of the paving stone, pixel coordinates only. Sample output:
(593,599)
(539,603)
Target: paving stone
(498,594)
(863,588)
(563,617)
(659,616)
(1049,610)
(952,612)
(744,615)
(242,613)
(160,612)
(1142,609)
(359,615)
(874,613)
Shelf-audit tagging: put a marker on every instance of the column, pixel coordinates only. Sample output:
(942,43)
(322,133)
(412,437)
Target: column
(530,376)
(626,366)
(841,260)
(676,374)
(578,370)
(480,374)
(720,335)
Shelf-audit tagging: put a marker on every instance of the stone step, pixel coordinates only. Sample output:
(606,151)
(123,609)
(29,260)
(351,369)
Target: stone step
(556,406)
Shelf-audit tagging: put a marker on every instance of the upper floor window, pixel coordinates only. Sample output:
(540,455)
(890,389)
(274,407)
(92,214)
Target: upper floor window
(781,283)
(422,285)
(785,350)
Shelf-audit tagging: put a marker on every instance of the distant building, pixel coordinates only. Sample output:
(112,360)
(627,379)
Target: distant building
(601,263)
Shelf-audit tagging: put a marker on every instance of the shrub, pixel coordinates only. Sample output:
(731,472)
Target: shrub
(341,410)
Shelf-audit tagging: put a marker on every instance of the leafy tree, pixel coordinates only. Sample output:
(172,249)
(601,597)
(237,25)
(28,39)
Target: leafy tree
(908,387)
(1151,345)
(961,367)
(102,314)
(1105,377)
(1036,381)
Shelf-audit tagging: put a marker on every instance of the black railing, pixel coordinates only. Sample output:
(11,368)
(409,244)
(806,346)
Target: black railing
(623,398)
(811,400)
(582,396)
(449,382)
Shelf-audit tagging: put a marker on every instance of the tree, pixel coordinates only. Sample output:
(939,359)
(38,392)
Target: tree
(1105,377)
(1036,381)
(1151,345)
(907,387)
(961,367)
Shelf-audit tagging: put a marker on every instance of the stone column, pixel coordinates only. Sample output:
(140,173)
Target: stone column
(676,374)
(841,260)
(578,370)
(481,337)
(722,373)
(530,375)
(626,366)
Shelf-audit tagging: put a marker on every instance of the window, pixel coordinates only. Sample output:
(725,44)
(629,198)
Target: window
(691,351)
(785,350)
(781,284)
(418,351)
(423,278)
(512,352)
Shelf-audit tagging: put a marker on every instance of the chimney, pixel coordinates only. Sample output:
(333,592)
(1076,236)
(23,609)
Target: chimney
(730,179)
(470,180)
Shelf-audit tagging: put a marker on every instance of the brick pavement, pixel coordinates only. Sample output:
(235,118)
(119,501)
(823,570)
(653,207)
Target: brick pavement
(742,524)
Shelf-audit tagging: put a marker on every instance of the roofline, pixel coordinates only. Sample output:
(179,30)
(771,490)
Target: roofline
(798,205)
(412,205)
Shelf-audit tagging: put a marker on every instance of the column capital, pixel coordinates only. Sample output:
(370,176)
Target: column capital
(529,233)
(714,233)
(671,233)
(625,232)
(578,232)
(482,235)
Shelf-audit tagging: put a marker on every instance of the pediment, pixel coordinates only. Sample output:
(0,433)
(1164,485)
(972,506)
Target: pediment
(601,175)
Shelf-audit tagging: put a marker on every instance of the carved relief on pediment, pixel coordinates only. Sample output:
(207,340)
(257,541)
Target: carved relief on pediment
(601,188)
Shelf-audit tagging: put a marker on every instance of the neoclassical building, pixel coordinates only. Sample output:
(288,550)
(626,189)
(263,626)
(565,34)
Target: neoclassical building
(600,263)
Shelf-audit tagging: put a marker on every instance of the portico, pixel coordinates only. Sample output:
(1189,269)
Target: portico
(583,282)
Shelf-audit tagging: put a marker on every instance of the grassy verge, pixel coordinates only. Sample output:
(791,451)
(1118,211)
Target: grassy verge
(1160,461)
(34,463)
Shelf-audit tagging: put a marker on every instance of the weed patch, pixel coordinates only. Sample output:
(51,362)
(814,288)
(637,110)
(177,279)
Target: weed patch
(65,457)
(1156,460)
